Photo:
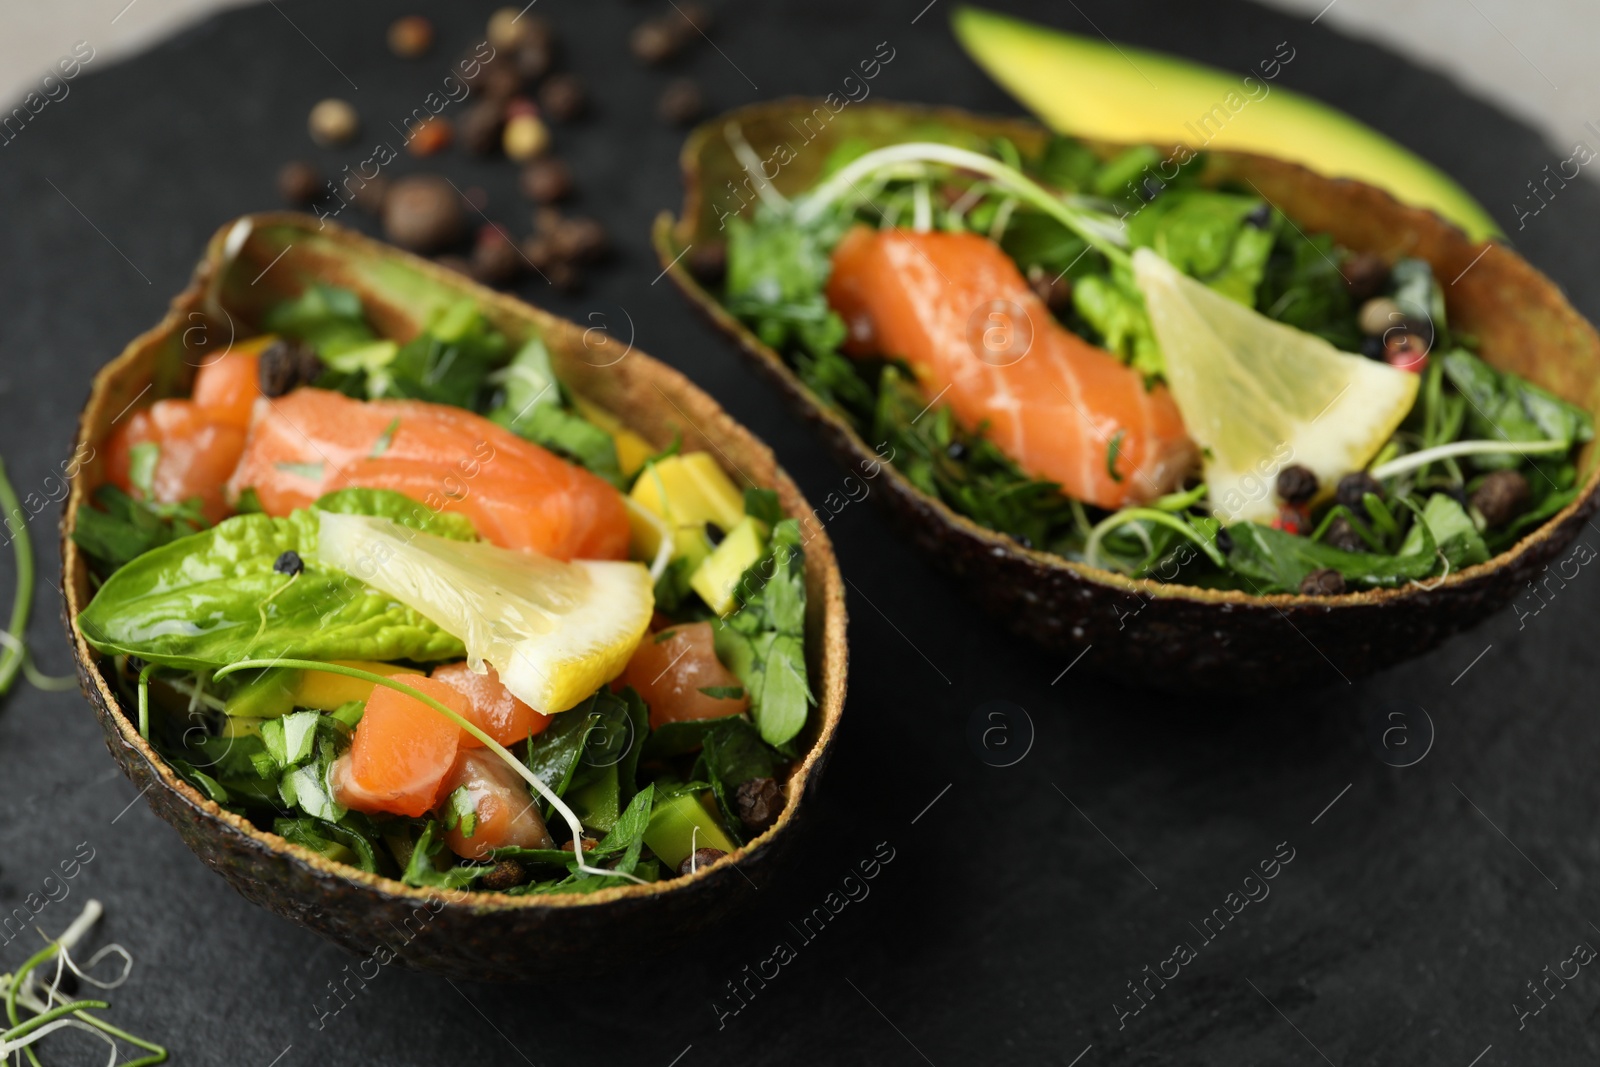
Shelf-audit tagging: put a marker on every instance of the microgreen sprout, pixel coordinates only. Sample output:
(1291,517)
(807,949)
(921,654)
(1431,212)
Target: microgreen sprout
(1414,460)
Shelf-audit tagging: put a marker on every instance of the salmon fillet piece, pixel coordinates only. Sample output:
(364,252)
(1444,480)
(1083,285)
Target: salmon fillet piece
(955,307)
(518,495)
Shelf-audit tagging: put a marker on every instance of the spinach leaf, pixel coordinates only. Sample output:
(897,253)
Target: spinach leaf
(123,528)
(212,598)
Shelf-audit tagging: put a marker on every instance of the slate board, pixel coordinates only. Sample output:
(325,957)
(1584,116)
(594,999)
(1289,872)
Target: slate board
(1019,905)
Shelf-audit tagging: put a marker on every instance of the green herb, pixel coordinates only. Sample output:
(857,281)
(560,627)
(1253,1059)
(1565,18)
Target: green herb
(733,753)
(326,317)
(1272,561)
(1505,407)
(763,641)
(142,460)
(122,528)
(1113,451)
(763,505)
(532,406)
(423,872)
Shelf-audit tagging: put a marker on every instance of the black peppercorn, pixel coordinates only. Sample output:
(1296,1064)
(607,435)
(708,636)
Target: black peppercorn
(701,857)
(1501,497)
(505,875)
(714,534)
(1354,487)
(1297,484)
(956,450)
(1372,347)
(681,102)
(1324,582)
(562,98)
(1224,541)
(1342,534)
(1365,275)
(758,802)
(289,563)
(1260,216)
(285,366)
(299,183)
(546,181)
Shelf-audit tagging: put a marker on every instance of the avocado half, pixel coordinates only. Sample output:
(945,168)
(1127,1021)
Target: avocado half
(1093,88)
(260,260)
(1141,630)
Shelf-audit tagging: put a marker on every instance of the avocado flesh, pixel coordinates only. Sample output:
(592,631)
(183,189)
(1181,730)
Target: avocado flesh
(718,575)
(681,825)
(687,491)
(1099,90)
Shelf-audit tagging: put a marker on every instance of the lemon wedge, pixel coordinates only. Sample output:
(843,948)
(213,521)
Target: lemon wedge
(1258,395)
(555,632)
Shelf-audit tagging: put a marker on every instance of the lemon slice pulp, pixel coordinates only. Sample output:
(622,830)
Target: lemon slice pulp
(554,632)
(1259,396)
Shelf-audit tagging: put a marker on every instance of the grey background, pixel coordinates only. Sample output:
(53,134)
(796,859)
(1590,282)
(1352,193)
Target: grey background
(1021,899)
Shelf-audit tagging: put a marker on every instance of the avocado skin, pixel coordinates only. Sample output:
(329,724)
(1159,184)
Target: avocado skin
(470,936)
(1171,637)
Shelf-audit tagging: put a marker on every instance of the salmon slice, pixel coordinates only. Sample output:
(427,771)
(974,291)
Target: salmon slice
(494,710)
(957,309)
(517,494)
(673,669)
(505,814)
(194,458)
(402,751)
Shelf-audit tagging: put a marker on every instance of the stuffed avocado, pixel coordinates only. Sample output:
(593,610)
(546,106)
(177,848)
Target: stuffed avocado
(416,606)
(1117,361)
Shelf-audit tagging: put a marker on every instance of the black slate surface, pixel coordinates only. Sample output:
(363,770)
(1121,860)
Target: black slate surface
(1021,900)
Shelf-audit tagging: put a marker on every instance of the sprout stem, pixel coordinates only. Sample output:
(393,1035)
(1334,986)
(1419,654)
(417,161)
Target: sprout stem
(1464,448)
(12,658)
(1091,548)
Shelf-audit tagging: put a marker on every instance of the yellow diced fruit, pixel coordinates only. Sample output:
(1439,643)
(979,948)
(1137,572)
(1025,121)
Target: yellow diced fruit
(325,691)
(632,450)
(236,727)
(717,577)
(690,490)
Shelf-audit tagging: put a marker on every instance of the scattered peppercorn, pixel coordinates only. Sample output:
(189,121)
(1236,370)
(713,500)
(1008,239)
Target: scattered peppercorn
(956,450)
(370,195)
(422,213)
(508,28)
(655,41)
(1404,350)
(285,366)
(505,875)
(1379,315)
(410,37)
(481,126)
(524,137)
(1354,487)
(540,252)
(1372,347)
(430,137)
(708,262)
(496,259)
(546,181)
(299,183)
(499,79)
(1297,484)
(1324,582)
(1260,216)
(681,102)
(1342,534)
(289,563)
(576,238)
(333,122)
(1501,497)
(701,857)
(1224,541)
(714,534)
(563,98)
(758,802)
(1365,275)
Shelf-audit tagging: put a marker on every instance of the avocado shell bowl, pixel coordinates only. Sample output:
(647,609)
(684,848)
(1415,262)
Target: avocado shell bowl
(261,260)
(1167,635)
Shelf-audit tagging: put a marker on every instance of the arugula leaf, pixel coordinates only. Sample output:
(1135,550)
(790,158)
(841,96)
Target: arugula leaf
(762,642)
(422,872)
(1207,235)
(733,754)
(1277,562)
(1302,287)
(123,528)
(1452,531)
(1503,406)
(532,406)
(327,317)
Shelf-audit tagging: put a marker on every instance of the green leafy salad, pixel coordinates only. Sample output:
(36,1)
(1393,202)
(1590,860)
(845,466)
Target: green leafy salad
(447,622)
(1340,435)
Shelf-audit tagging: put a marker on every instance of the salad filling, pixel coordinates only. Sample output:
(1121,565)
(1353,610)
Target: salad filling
(1158,377)
(419,609)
